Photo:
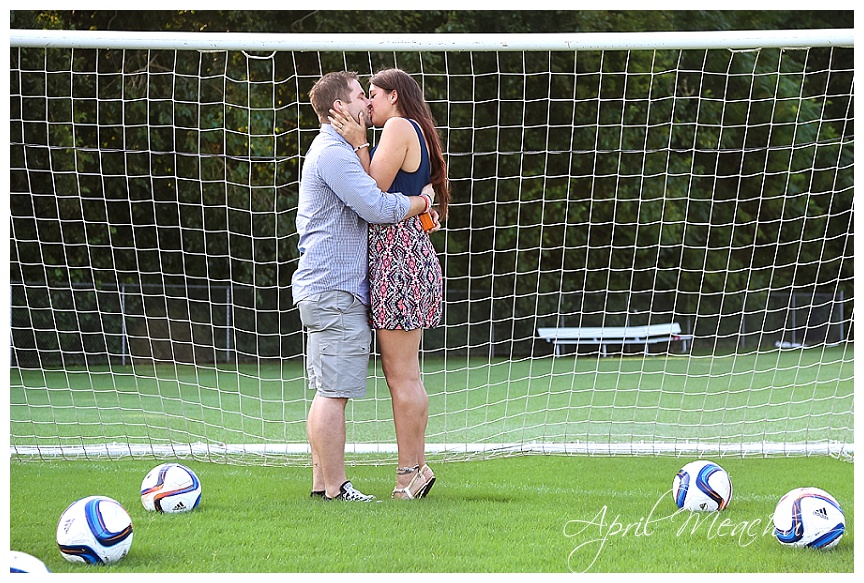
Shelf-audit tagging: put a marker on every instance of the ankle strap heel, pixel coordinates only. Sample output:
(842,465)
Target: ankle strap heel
(419,485)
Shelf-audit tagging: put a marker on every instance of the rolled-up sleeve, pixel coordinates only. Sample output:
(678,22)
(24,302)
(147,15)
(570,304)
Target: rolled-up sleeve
(344,173)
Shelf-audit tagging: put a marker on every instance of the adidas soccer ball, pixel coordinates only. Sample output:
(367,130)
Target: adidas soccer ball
(702,486)
(170,488)
(809,517)
(23,563)
(95,530)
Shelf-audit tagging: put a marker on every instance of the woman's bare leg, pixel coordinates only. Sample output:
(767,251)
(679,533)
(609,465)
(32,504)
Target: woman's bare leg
(401,364)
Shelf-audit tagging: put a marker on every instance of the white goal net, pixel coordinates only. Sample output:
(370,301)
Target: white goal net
(649,248)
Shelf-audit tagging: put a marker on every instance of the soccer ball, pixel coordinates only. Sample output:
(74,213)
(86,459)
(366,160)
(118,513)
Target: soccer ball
(702,486)
(170,488)
(809,517)
(95,530)
(23,563)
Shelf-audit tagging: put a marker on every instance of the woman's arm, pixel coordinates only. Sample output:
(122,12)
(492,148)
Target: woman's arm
(392,151)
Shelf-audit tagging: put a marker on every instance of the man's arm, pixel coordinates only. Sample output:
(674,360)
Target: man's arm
(422,203)
(345,175)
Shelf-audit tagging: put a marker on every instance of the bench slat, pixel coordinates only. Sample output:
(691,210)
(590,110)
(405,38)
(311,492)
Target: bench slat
(610,332)
(604,335)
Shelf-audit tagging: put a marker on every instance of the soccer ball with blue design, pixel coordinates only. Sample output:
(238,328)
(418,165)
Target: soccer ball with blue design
(702,486)
(20,562)
(95,530)
(170,488)
(809,517)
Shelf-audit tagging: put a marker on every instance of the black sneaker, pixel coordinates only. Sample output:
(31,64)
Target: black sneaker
(316,494)
(348,493)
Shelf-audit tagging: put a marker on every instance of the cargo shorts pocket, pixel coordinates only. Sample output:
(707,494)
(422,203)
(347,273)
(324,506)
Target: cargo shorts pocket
(339,344)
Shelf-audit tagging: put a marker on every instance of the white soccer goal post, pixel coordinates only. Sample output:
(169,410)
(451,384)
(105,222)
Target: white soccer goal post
(677,208)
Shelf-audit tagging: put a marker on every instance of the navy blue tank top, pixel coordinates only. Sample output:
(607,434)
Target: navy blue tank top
(412,183)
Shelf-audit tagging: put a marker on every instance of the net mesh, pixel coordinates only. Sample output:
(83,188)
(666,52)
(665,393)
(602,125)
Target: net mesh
(152,240)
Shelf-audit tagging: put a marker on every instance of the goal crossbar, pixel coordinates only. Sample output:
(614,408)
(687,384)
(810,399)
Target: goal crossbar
(205,41)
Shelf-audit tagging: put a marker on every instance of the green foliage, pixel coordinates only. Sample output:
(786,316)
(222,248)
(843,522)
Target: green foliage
(705,175)
(524,514)
(443,21)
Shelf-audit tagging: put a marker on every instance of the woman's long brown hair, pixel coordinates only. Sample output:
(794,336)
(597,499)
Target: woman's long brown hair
(413,105)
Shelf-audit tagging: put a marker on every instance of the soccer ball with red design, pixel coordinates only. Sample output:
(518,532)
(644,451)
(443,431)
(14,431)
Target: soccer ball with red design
(170,488)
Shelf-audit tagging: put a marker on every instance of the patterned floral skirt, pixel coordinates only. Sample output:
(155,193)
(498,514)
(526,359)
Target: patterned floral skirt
(405,281)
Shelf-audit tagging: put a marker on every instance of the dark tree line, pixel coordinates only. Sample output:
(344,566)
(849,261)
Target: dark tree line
(430,21)
(159,173)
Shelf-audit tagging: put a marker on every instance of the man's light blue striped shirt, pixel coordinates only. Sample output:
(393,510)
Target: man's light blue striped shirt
(337,201)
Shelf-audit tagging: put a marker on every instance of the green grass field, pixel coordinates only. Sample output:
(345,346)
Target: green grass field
(529,513)
(774,396)
(524,514)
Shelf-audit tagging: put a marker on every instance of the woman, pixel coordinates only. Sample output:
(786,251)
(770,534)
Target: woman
(404,272)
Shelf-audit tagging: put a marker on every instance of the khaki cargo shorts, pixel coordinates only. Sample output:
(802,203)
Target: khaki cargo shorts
(338,343)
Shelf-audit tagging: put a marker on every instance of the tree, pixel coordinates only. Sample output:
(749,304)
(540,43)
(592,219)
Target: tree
(708,198)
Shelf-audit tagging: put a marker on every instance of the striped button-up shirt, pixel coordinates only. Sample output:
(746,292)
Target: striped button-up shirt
(337,201)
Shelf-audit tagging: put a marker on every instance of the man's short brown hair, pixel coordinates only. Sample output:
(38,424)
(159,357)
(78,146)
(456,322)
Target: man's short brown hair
(328,89)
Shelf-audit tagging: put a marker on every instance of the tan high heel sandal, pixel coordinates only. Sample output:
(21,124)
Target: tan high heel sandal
(429,476)
(419,484)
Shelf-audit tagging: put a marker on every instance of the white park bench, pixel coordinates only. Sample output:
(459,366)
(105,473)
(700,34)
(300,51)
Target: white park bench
(603,336)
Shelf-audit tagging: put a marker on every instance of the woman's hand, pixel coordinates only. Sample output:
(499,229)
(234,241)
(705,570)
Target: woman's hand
(436,221)
(354,131)
(429,191)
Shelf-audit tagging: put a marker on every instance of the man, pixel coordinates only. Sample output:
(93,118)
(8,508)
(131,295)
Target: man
(331,287)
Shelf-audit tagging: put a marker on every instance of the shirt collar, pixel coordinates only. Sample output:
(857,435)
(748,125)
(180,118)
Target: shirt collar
(331,131)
